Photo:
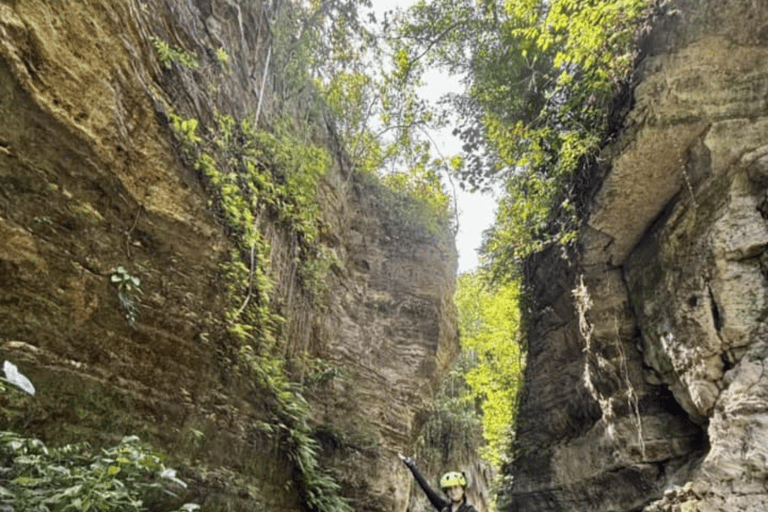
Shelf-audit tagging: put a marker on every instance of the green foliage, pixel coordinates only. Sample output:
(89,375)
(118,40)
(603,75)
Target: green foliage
(319,490)
(431,207)
(222,57)
(314,272)
(255,175)
(36,478)
(350,97)
(539,77)
(475,406)
(315,40)
(334,69)
(275,174)
(298,167)
(453,430)
(185,130)
(259,177)
(75,477)
(317,370)
(489,321)
(128,288)
(169,54)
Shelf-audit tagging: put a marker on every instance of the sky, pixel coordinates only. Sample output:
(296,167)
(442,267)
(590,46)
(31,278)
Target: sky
(476,214)
(476,211)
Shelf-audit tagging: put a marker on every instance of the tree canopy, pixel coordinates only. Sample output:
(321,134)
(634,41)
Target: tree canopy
(538,78)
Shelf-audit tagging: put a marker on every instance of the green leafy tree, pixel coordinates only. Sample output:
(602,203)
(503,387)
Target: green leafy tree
(489,321)
(454,432)
(332,66)
(538,76)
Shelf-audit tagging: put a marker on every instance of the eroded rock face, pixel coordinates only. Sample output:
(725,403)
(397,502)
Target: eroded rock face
(92,178)
(662,314)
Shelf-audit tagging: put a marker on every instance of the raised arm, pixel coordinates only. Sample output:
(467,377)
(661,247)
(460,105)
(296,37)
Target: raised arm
(436,499)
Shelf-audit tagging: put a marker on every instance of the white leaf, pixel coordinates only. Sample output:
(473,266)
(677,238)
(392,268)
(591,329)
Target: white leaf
(17,378)
(170,474)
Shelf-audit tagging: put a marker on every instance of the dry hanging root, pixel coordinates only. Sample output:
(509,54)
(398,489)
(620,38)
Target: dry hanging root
(583,305)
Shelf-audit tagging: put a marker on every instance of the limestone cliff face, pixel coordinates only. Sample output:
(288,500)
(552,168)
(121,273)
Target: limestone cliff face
(91,178)
(646,381)
(391,323)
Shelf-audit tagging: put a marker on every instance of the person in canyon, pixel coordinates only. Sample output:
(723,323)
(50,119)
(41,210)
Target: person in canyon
(453,484)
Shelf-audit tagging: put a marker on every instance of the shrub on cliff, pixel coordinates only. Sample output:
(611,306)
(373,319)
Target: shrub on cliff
(76,478)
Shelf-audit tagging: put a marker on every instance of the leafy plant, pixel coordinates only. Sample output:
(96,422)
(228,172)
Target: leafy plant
(128,287)
(314,271)
(256,176)
(169,54)
(222,57)
(336,69)
(318,488)
(453,429)
(185,129)
(254,173)
(474,409)
(316,370)
(75,478)
(421,198)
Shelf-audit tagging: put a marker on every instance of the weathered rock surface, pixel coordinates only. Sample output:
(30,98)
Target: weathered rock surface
(646,383)
(91,178)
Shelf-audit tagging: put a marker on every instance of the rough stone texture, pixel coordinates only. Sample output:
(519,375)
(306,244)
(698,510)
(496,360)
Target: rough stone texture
(646,383)
(390,321)
(92,178)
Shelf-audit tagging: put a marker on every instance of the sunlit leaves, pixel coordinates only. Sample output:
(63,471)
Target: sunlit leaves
(489,321)
(423,183)
(330,64)
(539,77)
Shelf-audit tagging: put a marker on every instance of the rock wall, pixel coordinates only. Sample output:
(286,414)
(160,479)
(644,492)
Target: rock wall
(390,323)
(646,382)
(92,178)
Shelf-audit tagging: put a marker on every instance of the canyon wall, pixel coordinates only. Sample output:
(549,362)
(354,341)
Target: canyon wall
(646,385)
(93,178)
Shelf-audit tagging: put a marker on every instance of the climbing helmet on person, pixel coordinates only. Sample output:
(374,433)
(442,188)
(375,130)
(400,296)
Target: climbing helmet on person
(452,483)
(452,479)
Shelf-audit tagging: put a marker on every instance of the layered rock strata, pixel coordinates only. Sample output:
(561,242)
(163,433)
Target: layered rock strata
(646,382)
(92,178)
